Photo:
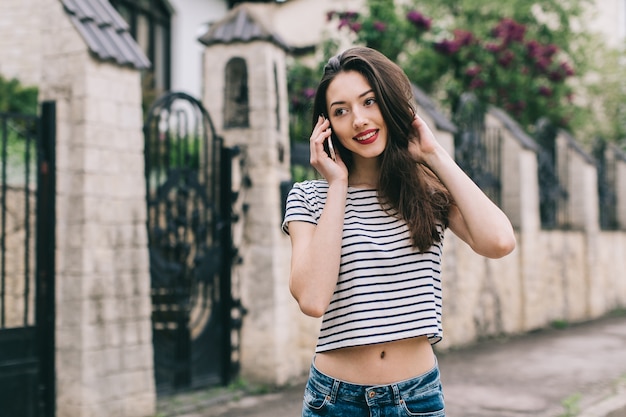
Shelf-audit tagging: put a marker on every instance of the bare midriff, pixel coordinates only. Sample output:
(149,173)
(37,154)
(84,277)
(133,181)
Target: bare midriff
(382,363)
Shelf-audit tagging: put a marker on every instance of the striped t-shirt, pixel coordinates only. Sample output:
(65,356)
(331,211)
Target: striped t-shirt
(386,290)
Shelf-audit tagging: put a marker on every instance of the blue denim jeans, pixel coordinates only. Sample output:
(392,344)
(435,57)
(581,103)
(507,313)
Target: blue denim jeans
(419,396)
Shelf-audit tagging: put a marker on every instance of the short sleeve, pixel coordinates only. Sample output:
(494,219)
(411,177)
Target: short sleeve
(301,205)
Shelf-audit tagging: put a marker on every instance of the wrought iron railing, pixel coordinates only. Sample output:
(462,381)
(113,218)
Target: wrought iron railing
(477,148)
(607,185)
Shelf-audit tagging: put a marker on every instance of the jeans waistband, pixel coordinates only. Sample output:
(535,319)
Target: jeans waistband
(336,389)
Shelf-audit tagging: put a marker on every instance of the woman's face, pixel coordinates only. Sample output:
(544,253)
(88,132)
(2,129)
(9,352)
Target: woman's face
(355,116)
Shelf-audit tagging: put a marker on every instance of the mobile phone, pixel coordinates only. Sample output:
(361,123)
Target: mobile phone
(328,145)
(331,149)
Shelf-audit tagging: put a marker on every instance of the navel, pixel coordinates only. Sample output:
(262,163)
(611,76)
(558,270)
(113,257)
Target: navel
(382,355)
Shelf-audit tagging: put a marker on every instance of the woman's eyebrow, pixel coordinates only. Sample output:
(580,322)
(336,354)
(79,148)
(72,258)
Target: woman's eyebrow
(334,103)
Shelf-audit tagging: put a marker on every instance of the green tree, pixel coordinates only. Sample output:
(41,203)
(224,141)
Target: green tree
(14,97)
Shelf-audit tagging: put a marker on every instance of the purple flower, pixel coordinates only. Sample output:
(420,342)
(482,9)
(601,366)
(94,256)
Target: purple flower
(506,58)
(330,15)
(543,64)
(309,93)
(355,26)
(380,26)
(509,31)
(473,71)
(342,22)
(476,83)
(543,56)
(348,19)
(533,49)
(567,69)
(447,47)
(549,50)
(463,37)
(492,47)
(419,20)
(545,91)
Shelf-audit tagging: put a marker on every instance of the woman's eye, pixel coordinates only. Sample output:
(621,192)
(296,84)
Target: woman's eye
(339,112)
(370,101)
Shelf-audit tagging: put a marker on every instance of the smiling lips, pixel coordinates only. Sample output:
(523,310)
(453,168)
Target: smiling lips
(367,137)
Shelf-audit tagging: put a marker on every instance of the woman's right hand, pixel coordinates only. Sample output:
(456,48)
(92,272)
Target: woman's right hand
(331,170)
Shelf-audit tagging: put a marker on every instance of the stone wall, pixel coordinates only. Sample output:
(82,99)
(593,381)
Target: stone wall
(20,43)
(104,347)
(270,328)
(104,362)
(552,276)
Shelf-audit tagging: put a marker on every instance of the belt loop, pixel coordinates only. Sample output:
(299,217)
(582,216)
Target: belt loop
(396,394)
(333,391)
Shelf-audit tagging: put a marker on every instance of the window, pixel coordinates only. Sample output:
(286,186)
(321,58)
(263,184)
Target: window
(236,94)
(150,26)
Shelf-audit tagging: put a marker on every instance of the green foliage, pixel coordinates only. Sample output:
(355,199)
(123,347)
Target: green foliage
(607,98)
(16,98)
(518,56)
(301,85)
(17,141)
(532,58)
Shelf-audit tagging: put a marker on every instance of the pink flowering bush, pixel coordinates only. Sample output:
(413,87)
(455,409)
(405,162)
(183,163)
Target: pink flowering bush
(513,64)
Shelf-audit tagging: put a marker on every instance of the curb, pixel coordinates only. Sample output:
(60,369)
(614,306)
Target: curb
(612,406)
(184,404)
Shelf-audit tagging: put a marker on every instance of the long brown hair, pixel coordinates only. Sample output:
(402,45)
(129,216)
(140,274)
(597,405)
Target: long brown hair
(404,186)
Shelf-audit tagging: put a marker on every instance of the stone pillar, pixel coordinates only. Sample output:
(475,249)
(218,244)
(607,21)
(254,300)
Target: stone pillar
(270,328)
(519,182)
(104,360)
(578,173)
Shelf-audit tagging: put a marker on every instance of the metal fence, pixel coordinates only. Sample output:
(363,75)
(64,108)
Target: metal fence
(477,149)
(606,162)
(27,224)
(552,177)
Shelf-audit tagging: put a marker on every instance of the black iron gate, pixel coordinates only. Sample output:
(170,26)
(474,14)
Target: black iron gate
(189,197)
(27,213)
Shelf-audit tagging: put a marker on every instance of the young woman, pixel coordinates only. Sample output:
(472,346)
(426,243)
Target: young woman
(367,242)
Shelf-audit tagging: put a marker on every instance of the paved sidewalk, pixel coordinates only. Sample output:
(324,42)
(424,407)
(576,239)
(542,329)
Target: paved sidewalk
(577,371)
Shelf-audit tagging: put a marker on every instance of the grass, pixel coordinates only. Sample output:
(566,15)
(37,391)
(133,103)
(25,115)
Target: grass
(571,404)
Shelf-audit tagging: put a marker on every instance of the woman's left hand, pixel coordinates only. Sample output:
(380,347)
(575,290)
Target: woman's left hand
(423,142)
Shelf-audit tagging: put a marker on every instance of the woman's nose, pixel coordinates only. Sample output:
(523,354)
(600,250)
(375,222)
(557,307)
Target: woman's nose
(359,120)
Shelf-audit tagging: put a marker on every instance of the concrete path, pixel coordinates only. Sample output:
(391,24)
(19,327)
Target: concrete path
(577,371)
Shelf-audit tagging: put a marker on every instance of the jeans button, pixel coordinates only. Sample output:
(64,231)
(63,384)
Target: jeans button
(372,394)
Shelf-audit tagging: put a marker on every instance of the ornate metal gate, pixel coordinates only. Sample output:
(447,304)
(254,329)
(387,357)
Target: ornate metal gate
(189,198)
(27,214)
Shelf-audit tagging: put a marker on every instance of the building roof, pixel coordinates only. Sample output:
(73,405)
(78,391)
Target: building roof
(105,32)
(241,24)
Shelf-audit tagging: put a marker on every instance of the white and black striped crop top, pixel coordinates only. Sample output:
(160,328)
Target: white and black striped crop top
(387,290)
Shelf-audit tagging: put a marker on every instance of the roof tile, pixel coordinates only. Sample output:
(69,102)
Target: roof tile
(105,32)
(241,25)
